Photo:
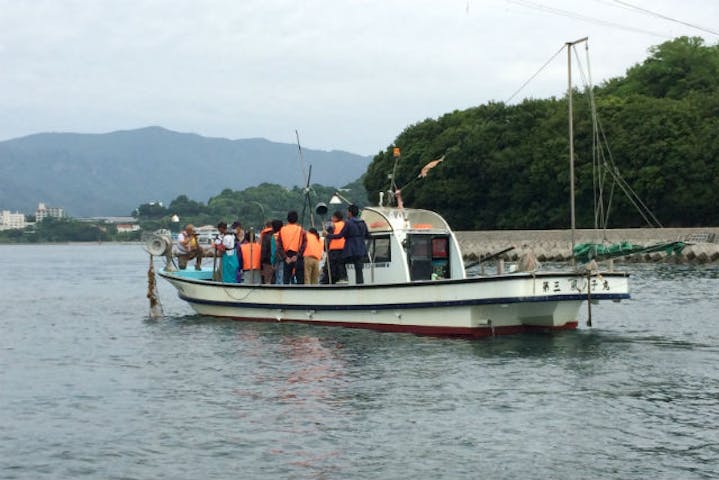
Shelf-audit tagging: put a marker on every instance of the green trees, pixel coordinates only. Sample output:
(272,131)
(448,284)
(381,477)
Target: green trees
(496,158)
(251,206)
(507,166)
(62,230)
(187,206)
(675,69)
(150,210)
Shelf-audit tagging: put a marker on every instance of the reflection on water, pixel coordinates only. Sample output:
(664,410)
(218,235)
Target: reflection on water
(91,388)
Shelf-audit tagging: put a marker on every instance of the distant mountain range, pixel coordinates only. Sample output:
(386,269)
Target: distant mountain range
(113,173)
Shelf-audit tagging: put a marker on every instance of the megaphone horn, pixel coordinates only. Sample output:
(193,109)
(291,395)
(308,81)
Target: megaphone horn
(321,209)
(158,245)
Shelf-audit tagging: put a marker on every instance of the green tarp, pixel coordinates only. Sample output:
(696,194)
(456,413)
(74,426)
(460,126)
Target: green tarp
(584,252)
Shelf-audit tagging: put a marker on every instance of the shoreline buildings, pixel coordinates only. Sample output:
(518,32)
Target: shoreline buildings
(16,220)
(43,211)
(10,221)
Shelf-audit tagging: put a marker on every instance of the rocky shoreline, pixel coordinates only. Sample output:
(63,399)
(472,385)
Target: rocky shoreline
(555,245)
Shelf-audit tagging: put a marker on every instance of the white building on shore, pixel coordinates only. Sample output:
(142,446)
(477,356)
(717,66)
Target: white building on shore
(43,211)
(127,227)
(9,220)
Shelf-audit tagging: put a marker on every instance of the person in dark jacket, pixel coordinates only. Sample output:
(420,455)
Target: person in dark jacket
(355,249)
(267,253)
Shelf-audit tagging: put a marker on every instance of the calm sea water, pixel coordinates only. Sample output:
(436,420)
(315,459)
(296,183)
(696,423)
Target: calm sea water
(92,388)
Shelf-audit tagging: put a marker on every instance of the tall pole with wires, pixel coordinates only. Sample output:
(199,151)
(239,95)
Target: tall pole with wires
(307,177)
(569,46)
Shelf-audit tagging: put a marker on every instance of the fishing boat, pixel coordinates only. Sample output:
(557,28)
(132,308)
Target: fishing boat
(416,281)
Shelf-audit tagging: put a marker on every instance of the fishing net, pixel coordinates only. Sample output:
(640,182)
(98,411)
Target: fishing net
(155,305)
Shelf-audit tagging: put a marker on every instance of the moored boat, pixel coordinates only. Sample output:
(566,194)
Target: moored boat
(416,282)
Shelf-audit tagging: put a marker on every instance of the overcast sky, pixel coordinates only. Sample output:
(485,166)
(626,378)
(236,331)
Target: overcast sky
(347,74)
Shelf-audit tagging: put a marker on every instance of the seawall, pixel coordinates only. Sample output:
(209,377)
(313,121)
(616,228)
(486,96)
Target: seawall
(555,245)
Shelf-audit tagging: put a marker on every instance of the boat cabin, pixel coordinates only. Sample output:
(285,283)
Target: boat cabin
(408,245)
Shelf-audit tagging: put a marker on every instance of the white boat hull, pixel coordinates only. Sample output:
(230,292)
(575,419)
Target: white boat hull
(473,307)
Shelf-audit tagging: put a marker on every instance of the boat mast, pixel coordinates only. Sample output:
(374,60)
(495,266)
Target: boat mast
(571,135)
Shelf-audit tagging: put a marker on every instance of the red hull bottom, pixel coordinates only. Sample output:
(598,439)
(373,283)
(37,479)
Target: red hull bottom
(484,331)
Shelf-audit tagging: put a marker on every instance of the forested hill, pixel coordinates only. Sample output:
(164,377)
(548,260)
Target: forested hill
(506,166)
(113,173)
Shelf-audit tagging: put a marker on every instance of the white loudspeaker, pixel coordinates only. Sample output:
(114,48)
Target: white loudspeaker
(158,245)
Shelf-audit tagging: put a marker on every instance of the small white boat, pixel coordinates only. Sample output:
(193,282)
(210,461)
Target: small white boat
(415,282)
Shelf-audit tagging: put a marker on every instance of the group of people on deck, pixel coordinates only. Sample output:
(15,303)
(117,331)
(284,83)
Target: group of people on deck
(239,252)
(285,253)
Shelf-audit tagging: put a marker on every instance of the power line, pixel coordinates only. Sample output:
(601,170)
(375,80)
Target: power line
(578,16)
(665,17)
(534,76)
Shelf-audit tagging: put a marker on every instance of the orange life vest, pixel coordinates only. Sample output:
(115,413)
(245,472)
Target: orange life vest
(250,256)
(265,231)
(313,247)
(337,243)
(291,236)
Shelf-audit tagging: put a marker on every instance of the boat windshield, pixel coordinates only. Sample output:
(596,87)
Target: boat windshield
(383,219)
(375,221)
(425,220)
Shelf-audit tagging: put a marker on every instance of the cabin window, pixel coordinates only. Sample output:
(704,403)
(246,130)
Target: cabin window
(379,249)
(420,257)
(440,257)
(428,257)
(421,247)
(440,247)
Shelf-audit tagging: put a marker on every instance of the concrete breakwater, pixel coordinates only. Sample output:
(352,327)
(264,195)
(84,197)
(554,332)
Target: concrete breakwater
(556,245)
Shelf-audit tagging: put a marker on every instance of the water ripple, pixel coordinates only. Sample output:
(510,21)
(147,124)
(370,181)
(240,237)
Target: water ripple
(91,388)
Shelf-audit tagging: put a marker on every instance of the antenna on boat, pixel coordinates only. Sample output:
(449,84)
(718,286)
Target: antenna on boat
(307,177)
(321,210)
(569,46)
(393,193)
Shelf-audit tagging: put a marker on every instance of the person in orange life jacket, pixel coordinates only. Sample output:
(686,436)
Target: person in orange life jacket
(277,263)
(312,255)
(335,259)
(355,250)
(289,245)
(267,253)
(251,252)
